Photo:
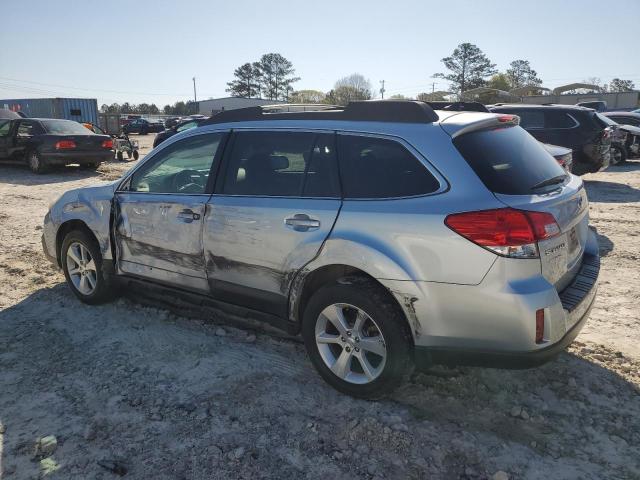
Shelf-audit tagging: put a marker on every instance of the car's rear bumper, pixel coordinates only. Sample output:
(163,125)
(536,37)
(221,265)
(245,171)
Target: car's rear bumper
(494,323)
(66,158)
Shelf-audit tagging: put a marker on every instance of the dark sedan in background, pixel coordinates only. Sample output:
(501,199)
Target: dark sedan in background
(181,126)
(41,142)
(142,126)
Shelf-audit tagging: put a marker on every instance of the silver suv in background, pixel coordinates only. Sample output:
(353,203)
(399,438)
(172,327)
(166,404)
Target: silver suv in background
(385,232)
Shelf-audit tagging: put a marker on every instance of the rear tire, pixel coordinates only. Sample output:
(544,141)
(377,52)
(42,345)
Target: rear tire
(120,157)
(377,356)
(136,155)
(35,162)
(82,265)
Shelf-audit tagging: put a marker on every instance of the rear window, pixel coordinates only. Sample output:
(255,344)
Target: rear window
(65,127)
(508,160)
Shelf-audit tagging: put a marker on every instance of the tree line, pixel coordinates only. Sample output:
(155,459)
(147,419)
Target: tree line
(273,76)
(469,67)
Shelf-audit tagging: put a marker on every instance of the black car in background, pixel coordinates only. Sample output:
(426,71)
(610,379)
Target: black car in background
(574,127)
(181,126)
(142,126)
(41,142)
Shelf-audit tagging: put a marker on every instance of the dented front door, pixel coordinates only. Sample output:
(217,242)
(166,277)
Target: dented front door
(160,237)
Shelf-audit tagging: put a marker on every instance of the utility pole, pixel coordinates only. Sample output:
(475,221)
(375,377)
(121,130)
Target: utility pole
(195,100)
(433,87)
(382,90)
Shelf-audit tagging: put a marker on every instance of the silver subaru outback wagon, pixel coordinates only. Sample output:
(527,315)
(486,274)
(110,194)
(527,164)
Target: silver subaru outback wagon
(386,233)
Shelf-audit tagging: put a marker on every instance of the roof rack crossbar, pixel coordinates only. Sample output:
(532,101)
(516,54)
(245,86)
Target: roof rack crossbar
(401,111)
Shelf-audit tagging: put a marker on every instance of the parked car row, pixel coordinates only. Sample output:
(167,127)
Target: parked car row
(595,139)
(360,227)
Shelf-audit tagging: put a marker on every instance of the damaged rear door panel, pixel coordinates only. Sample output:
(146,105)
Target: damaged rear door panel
(276,202)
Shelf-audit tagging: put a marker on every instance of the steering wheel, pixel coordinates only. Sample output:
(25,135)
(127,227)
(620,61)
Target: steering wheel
(184,182)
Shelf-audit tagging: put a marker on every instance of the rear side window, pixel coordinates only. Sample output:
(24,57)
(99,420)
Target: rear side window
(531,118)
(558,119)
(508,160)
(379,168)
(27,129)
(282,164)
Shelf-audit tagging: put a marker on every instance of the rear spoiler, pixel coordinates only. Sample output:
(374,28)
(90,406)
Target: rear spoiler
(459,106)
(462,123)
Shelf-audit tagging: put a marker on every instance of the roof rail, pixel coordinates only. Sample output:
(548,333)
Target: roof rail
(459,106)
(402,111)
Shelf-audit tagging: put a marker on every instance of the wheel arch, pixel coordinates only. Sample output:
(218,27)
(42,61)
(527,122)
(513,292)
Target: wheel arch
(65,229)
(309,281)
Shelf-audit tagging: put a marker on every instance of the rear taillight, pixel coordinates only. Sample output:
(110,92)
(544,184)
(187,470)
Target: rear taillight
(65,144)
(505,231)
(107,144)
(606,133)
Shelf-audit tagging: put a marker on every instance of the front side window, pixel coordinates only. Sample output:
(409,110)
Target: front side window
(373,167)
(183,167)
(282,164)
(5,126)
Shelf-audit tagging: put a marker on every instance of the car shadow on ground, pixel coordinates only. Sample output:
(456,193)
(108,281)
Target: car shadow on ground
(605,245)
(611,192)
(135,365)
(19,174)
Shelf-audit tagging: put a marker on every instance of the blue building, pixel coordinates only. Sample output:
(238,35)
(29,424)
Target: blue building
(78,109)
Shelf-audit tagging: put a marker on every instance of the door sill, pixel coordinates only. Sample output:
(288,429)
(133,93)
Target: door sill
(192,304)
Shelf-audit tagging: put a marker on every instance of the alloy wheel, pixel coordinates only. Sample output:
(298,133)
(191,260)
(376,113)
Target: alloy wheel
(34,161)
(350,343)
(81,268)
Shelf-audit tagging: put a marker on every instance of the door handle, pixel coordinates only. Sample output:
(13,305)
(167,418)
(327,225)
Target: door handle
(301,222)
(187,215)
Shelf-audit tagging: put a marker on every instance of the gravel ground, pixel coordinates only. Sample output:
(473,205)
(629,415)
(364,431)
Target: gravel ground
(129,389)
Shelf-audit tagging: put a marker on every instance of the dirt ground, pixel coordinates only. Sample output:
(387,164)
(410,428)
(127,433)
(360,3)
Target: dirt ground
(127,389)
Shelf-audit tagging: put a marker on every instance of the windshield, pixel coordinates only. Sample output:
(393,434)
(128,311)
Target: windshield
(65,127)
(508,160)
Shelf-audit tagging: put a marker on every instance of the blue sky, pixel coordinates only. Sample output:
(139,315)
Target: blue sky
(148,51)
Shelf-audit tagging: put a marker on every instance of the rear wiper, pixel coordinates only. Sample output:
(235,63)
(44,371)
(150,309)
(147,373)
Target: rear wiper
(549,181)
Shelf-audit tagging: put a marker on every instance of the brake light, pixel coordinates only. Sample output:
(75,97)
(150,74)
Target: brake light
(505,231)
(107,144)
(540,325)
(509,119)
(65,144)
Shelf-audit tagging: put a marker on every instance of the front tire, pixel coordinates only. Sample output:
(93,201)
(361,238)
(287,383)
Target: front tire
(82,266)
(618,155)
(357,338)
(35,162)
